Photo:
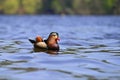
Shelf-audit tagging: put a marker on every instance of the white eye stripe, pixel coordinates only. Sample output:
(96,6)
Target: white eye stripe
(54,34)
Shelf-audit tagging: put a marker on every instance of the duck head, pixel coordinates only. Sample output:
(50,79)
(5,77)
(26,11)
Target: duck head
(54,36)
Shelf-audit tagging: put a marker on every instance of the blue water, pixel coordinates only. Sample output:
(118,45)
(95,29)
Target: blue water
(89,48)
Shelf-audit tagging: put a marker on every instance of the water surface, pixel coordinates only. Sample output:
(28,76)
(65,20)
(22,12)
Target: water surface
(90,48)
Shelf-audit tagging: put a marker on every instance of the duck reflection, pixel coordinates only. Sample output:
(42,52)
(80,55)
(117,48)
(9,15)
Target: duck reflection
(53,52)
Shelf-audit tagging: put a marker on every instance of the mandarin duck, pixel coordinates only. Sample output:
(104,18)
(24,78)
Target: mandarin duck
(51,43)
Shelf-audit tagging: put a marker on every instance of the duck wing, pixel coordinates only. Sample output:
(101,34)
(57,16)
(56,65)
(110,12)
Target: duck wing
(45,41)
(32,41)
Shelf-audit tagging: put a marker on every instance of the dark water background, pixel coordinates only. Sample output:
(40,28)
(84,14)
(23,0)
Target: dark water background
(90,48)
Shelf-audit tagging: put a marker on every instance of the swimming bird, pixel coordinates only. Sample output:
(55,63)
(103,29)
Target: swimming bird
(51,43)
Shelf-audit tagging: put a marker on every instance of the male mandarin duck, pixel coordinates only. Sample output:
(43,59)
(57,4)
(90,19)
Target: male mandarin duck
(51,43)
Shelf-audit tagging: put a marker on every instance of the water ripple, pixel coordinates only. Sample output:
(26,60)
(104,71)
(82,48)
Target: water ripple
(89,48)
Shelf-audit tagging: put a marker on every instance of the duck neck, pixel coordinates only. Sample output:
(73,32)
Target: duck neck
(51,41)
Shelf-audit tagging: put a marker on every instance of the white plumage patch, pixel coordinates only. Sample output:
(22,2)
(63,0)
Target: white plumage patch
(42,44)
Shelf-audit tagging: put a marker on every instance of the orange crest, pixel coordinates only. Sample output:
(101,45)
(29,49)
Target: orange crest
(39,39)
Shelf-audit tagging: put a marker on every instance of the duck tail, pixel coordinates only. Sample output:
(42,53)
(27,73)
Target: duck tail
(32,41)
